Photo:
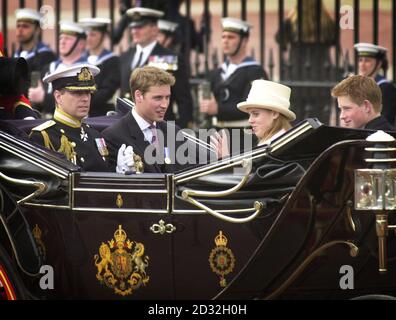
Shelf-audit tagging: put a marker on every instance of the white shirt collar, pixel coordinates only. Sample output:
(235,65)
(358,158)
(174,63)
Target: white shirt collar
(146,51)
(143,125)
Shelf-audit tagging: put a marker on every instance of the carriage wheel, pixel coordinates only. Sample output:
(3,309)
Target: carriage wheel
(11,287)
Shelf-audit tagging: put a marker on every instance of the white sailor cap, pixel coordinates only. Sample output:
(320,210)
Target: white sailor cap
(71,28)
(370,50)
(141,16)
(236,25)
(28,15)
(95,23)
(167,26)
(74,78)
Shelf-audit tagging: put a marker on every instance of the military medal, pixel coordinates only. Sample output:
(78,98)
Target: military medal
(83,135)
(164,62)
(167,157)
(102,147)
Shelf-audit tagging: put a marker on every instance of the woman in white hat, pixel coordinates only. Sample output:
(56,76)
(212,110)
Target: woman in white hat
(268,106)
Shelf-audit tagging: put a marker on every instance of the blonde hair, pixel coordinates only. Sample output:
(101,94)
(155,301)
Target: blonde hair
(143,78)
(309,24)
(360,88)
(278,124)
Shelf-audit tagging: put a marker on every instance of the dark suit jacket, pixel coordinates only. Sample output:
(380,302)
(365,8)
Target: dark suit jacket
(181,93)
(380,123)
(127,131)
(107,83)
(388,91)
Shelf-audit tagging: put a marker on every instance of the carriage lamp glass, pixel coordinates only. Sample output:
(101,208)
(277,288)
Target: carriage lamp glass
(375,189)
(369,184)
(390,189)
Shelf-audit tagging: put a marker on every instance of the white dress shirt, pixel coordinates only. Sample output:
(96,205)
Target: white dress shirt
(144,126)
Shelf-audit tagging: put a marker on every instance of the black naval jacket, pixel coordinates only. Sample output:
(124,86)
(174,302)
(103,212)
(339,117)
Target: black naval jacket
(127,131)
(380,123)
(234,89)
(180,91)
(88,143)
(37,58)
(388,91)
(107,83)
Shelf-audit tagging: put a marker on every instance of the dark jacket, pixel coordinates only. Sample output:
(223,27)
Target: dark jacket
(380,123)
(88,143)
(228,93)
(127,131)
(107,83)
(181,93)
(388,90)
(38,58)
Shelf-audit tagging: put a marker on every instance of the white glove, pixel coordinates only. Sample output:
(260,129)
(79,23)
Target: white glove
(125,160)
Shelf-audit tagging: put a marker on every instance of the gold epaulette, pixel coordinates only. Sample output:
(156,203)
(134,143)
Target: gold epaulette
(44,125)
(46,139)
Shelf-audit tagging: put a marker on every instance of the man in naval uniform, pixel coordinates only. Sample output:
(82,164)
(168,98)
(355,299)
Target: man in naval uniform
(108,80)
(148,51)
(28,30)
(72,39)
(66,133)
(372,59)
(167,36)
(230,84)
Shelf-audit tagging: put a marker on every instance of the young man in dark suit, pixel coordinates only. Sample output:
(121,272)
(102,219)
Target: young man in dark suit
(360,102)
(156,142)
(147,51)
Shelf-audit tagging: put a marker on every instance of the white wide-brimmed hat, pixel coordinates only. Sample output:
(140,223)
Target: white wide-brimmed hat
(269,95)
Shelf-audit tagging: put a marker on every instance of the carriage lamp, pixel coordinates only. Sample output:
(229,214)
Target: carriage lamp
(375,190)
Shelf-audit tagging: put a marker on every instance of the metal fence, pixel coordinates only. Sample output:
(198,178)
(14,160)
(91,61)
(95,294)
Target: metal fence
(312,80)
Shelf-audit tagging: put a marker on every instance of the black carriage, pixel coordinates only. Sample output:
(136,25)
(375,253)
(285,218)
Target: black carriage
(278,222)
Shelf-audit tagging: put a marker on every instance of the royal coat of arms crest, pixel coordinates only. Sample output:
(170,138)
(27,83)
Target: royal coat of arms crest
(123,264)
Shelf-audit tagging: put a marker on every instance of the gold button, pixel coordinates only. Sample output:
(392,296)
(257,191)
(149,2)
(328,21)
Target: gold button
(82,159)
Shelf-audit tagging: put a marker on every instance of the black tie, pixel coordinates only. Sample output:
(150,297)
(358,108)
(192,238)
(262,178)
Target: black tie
(137,64)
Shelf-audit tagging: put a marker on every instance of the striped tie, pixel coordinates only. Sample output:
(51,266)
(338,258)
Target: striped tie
(154,139)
